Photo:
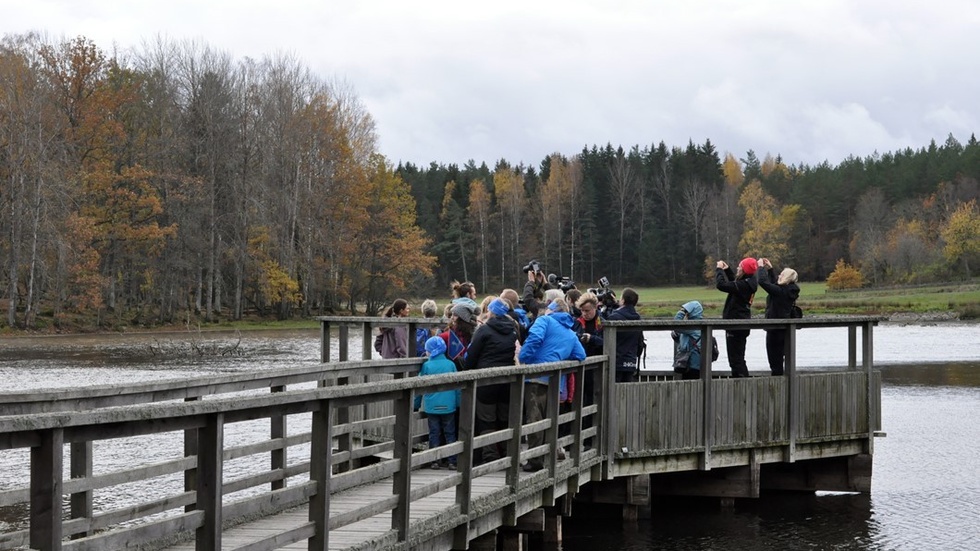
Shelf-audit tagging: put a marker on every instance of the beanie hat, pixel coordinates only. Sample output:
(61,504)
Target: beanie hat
(748,266)
(498,307)
(435,346)
(465,312)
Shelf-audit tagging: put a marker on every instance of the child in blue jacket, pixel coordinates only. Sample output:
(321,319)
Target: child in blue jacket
(439,406)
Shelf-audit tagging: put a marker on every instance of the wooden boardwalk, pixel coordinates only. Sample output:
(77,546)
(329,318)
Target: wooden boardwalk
(352,473)
(490,493)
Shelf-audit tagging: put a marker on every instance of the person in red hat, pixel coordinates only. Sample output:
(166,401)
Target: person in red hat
(741,287)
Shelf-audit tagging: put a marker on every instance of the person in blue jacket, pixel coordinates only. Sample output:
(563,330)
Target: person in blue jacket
(690,339)
(550,339)
(439,406)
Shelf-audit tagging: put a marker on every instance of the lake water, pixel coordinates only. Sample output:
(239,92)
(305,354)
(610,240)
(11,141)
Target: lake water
(925,487)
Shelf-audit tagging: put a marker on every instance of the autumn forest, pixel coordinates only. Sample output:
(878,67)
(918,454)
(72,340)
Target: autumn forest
(172,183)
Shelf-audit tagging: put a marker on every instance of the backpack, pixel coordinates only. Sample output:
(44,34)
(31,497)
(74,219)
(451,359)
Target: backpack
(682,359)
(421,335)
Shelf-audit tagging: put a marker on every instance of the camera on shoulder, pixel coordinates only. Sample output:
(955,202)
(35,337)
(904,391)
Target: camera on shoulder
(606,296)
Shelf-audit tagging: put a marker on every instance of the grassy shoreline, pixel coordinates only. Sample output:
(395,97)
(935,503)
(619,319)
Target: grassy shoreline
(949,302)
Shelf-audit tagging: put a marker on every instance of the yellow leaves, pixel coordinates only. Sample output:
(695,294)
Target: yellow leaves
(766,231)
(732,170)
(844,276)
(962,233)
(277,285)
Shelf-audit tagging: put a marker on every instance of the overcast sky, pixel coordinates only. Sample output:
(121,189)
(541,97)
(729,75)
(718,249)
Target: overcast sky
(450,81)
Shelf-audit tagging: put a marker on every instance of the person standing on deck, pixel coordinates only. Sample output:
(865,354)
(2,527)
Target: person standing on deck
(551,339)
(741,287)
(781,298)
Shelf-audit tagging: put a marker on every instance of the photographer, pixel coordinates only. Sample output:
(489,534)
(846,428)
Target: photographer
(740,287)
(534,288)
(629,343)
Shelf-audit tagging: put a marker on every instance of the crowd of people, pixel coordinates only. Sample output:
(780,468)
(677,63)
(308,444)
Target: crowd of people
(551,322)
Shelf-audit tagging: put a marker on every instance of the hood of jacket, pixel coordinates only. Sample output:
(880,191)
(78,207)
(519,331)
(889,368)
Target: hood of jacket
(564,318)
(503,325)
(694,310)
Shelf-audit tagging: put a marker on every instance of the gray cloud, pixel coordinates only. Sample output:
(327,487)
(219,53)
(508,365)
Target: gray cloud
(451,81)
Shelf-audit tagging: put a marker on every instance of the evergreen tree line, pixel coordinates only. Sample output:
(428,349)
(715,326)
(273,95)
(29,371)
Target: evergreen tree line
(663,216)
(172,184)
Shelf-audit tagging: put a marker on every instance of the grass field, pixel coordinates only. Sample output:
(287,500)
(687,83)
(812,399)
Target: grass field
(963,300)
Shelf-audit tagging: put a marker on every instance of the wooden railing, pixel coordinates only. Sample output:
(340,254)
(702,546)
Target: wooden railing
(205,502)
(365,432)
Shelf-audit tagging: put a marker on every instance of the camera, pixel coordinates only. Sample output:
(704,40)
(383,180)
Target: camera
(532,266)
(606,296)
(559,282)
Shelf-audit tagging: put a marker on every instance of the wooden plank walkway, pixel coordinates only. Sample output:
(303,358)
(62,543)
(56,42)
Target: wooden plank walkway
(376,532)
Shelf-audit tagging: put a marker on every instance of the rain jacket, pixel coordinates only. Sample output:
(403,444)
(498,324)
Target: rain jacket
(551,339)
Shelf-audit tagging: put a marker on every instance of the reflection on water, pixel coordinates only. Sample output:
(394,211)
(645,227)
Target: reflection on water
(925,486)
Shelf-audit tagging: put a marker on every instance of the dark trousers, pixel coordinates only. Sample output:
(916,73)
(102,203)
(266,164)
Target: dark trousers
(490,417)
(776,349)
(735,346)
(625,376)
(535,409)
(442,426)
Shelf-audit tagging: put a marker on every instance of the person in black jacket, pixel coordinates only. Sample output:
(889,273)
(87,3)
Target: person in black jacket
(741,287)
(494,344)
(628,343)
(781,298)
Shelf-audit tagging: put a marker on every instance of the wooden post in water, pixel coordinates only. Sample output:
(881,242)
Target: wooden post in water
(792,394)
(868,363)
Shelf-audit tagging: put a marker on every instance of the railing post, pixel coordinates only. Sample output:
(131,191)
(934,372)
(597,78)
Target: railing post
(343,336)
(402,483)
(190,450)
(81,467)
(578,402)
(610,414)
(47,482)
(277,431)
(868,363)
(851,347)
(413,347)
(321,466)
(515,421)
(464,462)
(324,341)
(708,408)
(792,394)
(210,467)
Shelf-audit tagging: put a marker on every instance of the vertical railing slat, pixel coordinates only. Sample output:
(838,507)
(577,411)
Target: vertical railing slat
(210,467)
(321,465)
(47,464)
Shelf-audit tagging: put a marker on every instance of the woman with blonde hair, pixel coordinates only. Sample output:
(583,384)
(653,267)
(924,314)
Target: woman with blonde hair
(780,301)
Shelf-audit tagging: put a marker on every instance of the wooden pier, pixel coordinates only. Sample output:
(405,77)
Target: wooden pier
(333,457)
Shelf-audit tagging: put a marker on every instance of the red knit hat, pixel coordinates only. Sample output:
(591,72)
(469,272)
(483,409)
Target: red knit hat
(748,266)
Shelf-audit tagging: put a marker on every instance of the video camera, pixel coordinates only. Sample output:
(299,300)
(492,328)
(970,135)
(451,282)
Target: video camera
(532,266)
(563,283)
(606,296)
